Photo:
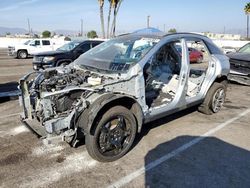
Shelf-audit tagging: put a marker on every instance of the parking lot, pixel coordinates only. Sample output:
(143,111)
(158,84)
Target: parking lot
(185,149)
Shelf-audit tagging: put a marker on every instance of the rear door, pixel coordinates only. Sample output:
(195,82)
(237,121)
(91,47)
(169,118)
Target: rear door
(46,45)
(201,69)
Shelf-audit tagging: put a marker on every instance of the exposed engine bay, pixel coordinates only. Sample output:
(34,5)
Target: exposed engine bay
(58,95)
(55,80)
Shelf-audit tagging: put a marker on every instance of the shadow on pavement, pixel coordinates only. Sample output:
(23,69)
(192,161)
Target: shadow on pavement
(210,163)
(162,121)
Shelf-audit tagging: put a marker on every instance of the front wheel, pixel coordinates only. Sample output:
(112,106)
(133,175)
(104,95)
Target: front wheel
(214,99)
(113,135)
(22,54)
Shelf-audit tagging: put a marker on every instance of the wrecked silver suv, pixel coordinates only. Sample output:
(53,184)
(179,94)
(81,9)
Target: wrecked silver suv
(108,93)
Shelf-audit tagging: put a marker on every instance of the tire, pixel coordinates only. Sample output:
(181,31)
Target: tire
(110,141)
(214,99)
(22,54)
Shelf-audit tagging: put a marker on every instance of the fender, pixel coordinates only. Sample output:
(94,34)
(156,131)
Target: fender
(90,115)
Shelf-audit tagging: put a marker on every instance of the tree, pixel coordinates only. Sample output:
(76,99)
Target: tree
(173,30)
(67,39)
(109,15)
(247,11)
(92,34)
(101,4)
(46,34)
(116,6)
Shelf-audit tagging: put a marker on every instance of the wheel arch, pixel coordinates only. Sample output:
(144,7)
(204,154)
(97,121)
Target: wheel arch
(90,116)
(60,61)
(22,50)
(222,79)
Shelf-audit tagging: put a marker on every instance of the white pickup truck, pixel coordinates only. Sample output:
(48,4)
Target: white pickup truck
(31,47)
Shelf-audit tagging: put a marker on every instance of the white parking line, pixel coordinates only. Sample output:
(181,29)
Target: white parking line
(10,115)
(123,181)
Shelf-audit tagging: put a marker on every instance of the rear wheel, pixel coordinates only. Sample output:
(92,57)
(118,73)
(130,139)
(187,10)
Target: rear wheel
(214,99)
(113,135)
(22,54)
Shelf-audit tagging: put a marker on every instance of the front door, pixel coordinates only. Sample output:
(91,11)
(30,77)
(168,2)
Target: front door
(34,46)
(166,78)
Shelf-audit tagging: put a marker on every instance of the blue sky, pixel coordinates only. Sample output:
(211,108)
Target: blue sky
(191,15)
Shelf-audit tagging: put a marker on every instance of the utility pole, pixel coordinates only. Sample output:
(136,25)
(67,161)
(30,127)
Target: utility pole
(148,19)
(247,24)
(224,30)
(28,20)
(81,27)
(164,28)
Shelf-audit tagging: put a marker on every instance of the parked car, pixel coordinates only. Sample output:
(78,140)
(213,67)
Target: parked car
(111,91)
(195,56)
(30,47)
(63,55)
(240,65)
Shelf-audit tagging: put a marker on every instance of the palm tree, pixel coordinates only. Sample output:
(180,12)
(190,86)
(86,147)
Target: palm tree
(111,2)
(101,4)
(247,11)
(116,5)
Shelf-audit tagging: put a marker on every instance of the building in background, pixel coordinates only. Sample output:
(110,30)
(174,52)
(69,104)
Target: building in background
(219,36)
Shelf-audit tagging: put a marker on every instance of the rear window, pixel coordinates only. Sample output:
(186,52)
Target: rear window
(46,42)
(85,47)
(93,44)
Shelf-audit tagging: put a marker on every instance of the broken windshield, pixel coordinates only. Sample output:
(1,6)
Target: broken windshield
(117,55)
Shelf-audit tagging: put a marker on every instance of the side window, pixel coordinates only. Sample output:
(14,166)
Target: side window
(167,60)
(199,57)
(37,42)
(162,75)
(45,42)
(84,47)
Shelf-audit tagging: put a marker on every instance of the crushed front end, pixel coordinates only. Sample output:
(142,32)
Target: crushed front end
(55,97)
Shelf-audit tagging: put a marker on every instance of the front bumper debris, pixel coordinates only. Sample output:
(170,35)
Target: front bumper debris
(34,126)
